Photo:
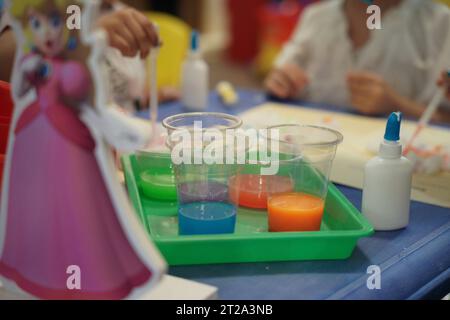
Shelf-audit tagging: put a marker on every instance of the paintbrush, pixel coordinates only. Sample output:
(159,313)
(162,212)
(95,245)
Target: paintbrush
(426,116)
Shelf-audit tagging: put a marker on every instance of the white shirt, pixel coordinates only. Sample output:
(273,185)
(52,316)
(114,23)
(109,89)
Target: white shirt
(410,51)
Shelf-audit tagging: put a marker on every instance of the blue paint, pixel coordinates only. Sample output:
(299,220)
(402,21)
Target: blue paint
(393,127)
(198,218)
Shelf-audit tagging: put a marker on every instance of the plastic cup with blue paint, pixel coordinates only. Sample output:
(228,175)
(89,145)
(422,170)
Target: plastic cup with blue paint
(203,168)
(205,203)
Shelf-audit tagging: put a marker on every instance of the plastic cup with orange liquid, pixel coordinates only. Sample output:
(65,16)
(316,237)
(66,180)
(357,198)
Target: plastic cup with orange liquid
(251,186)
(308,154)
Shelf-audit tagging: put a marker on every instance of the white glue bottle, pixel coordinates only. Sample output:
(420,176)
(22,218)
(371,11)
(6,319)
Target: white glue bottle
(387,182)
(195,78)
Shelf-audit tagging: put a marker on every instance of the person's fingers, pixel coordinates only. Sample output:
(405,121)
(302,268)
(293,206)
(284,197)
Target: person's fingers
(296,77)
(143,42)
(358,100)
(358,97)
(362,75)
(283,77)
(275,87)
(360,104)
(353,76)
(148,28)
(356,78)
(363,80)
(116,41)
(363,104)
(354,82)
(126,35)
(361,84)
(284,83)
(353,86)
(277,90)
(358,87)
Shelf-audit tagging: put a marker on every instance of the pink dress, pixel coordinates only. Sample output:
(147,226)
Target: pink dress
(59,210)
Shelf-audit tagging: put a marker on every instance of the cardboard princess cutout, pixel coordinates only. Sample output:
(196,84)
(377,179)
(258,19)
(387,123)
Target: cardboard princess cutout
(67,230)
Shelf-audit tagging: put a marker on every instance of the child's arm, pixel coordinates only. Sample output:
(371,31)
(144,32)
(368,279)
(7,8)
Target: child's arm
(129,31)
(371,95)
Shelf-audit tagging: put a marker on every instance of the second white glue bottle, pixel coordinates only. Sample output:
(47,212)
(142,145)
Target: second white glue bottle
(387,182)
(195,78)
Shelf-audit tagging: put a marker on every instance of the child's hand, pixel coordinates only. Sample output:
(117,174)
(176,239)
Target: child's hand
(130,32)
(286,82)
(370,94)
(445,81)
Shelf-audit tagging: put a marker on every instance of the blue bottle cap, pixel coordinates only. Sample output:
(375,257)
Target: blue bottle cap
(195,41)
(393,127)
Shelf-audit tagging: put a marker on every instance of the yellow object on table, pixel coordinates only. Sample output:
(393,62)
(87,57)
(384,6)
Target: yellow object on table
(175,35)
(227,93)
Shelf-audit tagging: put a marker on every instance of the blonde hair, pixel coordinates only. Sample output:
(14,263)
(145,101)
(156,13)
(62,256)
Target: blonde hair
(19,11)
(19,8)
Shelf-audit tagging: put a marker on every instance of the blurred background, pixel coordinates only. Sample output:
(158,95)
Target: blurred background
(240,38)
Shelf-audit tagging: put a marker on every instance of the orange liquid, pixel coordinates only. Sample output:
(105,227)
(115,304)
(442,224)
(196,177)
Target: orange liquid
(251,191)
(293,212)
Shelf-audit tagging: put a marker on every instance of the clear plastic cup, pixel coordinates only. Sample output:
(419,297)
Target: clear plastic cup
(306,156)
(205,203)
(156,176)
(251,184)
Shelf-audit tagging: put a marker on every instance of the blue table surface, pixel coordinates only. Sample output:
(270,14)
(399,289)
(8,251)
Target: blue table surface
(414,262)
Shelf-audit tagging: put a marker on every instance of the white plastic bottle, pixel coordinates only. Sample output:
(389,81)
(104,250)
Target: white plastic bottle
(387,182)
(195,78)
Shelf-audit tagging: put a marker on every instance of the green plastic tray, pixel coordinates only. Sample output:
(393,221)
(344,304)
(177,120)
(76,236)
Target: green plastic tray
(342,226)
